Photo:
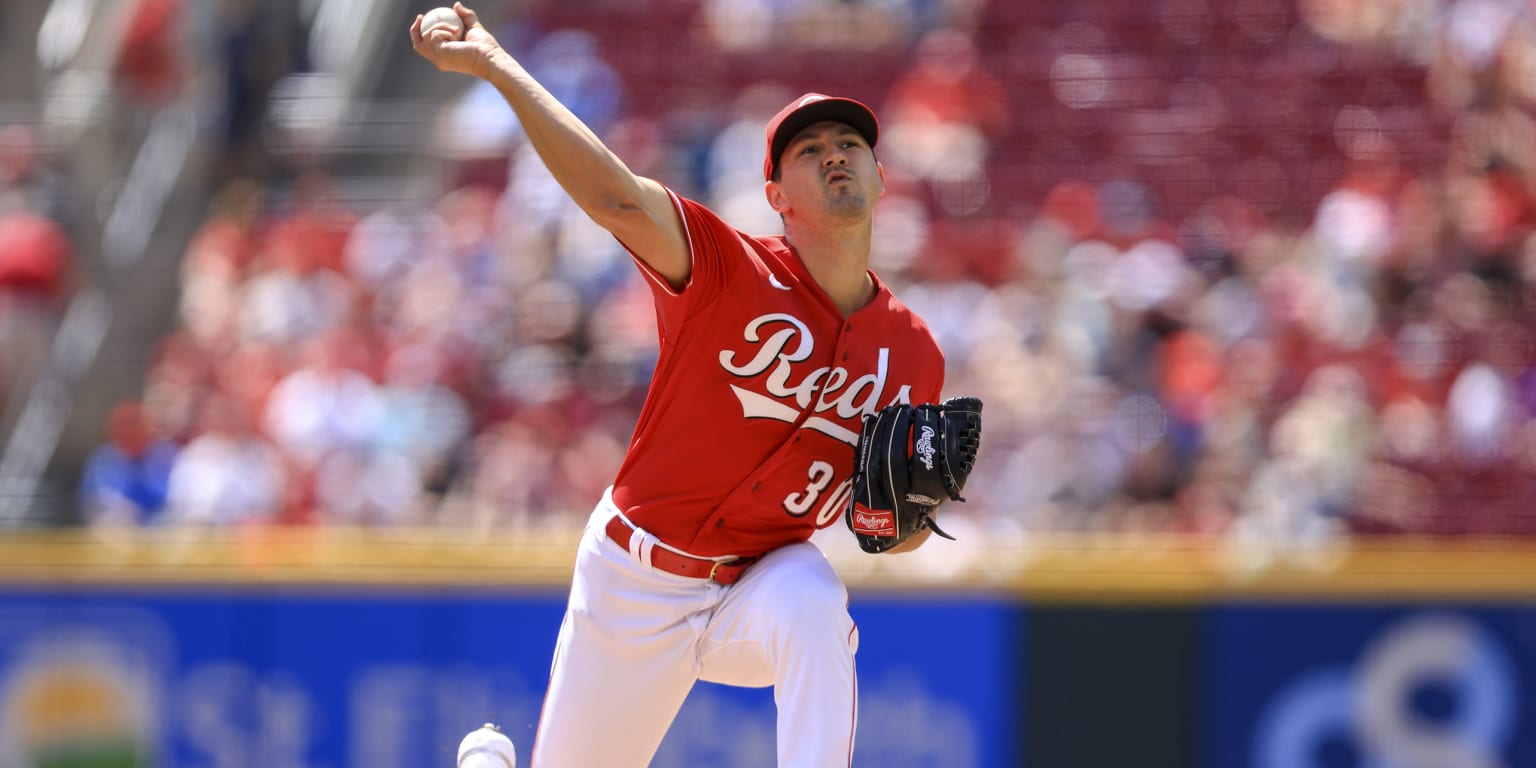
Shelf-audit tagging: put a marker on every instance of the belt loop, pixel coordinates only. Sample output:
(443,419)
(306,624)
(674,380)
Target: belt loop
(636,540)
(647,546)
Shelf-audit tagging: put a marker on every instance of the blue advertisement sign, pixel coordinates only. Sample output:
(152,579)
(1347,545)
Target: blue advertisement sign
(303,679)
(1371,686)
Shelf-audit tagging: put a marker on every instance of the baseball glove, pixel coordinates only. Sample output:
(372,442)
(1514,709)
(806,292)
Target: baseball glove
(909,460)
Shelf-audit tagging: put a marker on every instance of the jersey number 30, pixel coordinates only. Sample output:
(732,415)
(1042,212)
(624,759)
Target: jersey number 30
(820,476)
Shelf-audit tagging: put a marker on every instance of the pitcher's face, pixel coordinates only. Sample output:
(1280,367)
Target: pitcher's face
(828,166)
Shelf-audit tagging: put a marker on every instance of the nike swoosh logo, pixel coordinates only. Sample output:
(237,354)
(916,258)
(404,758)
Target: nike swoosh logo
(773,280)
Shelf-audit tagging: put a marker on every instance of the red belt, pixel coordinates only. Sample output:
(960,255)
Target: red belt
(726,572)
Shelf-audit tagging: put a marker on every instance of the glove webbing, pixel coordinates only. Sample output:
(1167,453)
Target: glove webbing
(971,436)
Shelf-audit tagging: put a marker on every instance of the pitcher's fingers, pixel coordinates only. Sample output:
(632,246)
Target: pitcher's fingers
(416,40)
(471,19)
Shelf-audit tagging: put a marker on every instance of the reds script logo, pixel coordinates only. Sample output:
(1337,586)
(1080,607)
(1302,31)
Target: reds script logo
(821,390)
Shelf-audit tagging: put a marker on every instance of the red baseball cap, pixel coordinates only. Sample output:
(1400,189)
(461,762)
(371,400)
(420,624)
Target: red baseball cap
(810,109)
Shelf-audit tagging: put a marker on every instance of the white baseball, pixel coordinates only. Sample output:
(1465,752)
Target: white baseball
(443,18)
(487,747)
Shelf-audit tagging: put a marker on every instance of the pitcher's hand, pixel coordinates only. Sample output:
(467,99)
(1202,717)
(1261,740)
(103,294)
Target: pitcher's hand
(474,55)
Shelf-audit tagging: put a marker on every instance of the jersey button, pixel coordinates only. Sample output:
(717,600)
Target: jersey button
(757,486)
(720,523)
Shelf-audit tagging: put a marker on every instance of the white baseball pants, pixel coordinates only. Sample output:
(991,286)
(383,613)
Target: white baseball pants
(635,639)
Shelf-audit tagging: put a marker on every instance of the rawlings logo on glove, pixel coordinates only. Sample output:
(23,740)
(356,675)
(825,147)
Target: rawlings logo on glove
(909,460)
(924,448)
(868,523)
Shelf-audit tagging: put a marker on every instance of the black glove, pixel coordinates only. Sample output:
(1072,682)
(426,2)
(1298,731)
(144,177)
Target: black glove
(910,459)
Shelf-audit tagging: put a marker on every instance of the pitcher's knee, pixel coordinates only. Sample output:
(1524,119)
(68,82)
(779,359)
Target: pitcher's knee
(811,599)
(815,610)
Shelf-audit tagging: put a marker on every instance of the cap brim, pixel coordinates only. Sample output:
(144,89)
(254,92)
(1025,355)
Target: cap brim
(838,110)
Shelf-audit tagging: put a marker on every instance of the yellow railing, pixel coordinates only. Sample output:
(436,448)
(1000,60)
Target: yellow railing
(1145,568)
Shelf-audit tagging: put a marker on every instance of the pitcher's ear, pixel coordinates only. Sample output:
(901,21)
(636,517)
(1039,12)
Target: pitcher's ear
(776,199)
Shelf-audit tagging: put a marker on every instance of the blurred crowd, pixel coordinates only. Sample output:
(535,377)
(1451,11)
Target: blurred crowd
(1262,273)
(37,262)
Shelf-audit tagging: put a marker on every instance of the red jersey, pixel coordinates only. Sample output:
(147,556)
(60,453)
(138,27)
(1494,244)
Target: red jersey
(746,440)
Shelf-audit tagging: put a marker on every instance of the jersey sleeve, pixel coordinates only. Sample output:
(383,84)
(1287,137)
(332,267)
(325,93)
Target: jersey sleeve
(715,251)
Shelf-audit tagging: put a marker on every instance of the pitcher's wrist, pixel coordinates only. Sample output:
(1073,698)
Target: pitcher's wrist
(497,60)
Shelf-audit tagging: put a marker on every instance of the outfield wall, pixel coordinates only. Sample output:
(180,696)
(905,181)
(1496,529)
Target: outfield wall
(341,649)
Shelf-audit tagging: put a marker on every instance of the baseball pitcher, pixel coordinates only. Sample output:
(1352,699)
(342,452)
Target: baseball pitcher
(792,391)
